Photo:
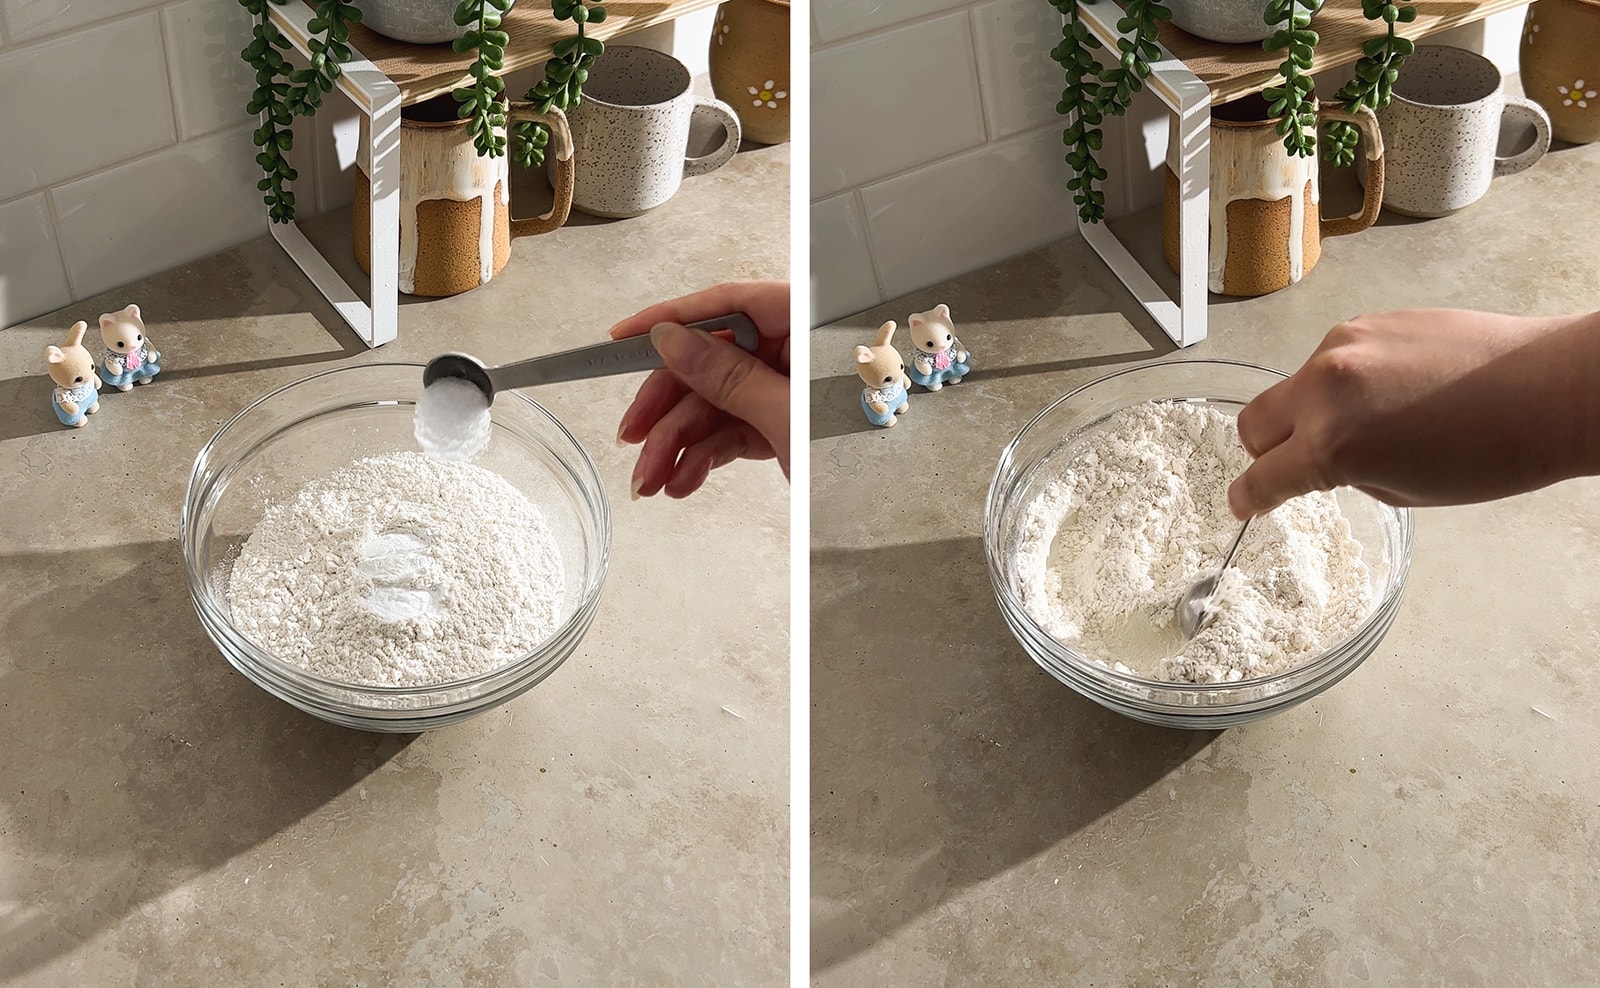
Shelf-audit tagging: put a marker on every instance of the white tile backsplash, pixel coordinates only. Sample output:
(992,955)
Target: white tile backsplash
(79,103)
(128,117)
(893,101)
(32,279)
(27,19)
(162,210)
(837,19)
(969,211)
(1021,84)
(210,82)
(842,279)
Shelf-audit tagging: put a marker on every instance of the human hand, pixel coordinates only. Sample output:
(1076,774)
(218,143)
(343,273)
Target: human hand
(1428,407)
(714,403)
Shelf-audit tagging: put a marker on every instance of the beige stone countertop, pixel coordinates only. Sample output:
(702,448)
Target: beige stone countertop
(1431,820)
(165,823)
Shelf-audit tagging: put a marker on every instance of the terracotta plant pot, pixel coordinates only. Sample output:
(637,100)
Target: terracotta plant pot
(750,66)
(1266,219)
(1230,21)
(455,205)
(1560,64)
(420,22)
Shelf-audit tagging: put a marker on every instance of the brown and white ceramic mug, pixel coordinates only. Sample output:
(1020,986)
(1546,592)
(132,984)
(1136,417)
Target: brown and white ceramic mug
(1266,208)
(630,134)
(456,226)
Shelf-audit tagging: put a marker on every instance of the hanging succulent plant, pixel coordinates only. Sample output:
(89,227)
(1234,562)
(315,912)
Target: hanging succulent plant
(281,93)
(481,102)
(1295,100)
(1093,92)
(1375,74)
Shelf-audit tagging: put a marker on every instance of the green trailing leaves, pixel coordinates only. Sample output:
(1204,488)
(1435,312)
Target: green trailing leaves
(282,93)
(1372,84)
(329,51)
(1093,92)
(269,101)
(1294,100)
(481,104)
(571,59)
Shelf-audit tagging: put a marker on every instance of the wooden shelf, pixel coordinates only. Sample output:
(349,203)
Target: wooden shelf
(425,71)
(1231,71)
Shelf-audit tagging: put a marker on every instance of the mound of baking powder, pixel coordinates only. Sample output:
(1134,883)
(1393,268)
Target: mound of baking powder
(400,570)
(452,420)
(1114,539)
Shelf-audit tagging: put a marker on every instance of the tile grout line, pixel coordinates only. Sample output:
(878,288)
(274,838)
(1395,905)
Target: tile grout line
(81,176)
(167,69)
(943,159)
(977,74)
(61,250)
(818,48)
(860,206)
(16,46)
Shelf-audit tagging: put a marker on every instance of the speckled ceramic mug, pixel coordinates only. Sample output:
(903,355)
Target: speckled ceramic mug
(1441,132)
(630,135)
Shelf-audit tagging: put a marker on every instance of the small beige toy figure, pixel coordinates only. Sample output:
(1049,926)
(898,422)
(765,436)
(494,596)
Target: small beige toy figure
(884,373)
(71,366)
(129,357)
(936,354)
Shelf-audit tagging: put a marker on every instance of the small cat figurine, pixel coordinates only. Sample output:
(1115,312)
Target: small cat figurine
(129,357)
(936,355)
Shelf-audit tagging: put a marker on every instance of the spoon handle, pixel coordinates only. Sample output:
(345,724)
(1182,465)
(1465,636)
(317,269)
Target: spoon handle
(636,353)
(1228,559)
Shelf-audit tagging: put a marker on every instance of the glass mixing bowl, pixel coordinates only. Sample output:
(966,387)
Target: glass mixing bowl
(1056,434)
(309,428)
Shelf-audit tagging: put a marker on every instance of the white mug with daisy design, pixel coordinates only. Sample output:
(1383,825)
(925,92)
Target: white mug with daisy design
(630,135)
(1441,133)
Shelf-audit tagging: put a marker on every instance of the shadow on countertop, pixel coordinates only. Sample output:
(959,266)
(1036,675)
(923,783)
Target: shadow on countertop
(936,767)
(134,756)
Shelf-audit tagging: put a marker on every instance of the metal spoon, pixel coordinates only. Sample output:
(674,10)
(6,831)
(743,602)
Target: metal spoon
(637,353)
(1194,607)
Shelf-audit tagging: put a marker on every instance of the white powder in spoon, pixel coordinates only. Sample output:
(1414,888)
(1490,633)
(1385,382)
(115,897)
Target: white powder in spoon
(400,570)
(452,420)
(1114,539)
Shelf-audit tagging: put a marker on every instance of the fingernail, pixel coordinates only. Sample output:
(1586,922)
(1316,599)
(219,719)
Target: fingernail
(638,482)
(681,348)
(621,441)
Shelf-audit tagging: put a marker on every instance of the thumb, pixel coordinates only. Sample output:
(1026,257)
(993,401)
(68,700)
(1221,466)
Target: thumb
(737,382)
(1282,472)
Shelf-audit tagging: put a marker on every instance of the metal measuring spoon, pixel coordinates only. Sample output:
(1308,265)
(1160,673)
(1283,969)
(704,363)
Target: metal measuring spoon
(1194,607)
(637,353)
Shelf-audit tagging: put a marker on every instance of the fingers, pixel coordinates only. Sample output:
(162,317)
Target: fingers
(1282,472)
(689,421)
(1268,419)
(730,379)
(766,302)
(656,397)
(732,441)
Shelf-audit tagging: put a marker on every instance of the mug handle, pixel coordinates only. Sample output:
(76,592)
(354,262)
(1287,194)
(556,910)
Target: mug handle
(561,146)
(723,114)
(1367,122)
(1518,107)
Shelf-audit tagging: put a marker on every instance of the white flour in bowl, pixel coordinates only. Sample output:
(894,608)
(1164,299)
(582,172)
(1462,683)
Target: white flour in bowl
(1140,513)
(400,570)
